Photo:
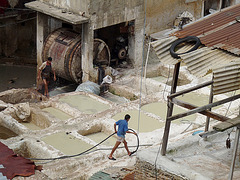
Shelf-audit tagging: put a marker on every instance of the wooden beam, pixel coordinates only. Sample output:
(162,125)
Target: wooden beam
(190,89)
(170,110)
(199,109)
(227,124)
(204,112)
(208,118)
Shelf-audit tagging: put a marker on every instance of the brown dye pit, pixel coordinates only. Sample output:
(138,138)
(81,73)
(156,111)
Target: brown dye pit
(146,123)
(160,109)
(57,113)
(6,133)
(84,103)
(66,143)
(98,137)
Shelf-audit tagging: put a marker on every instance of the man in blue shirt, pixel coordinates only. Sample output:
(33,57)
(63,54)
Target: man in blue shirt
(122,130)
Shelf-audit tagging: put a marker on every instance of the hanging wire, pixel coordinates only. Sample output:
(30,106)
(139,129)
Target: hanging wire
(145,71)
(227,112)
(19,9)
(29,19)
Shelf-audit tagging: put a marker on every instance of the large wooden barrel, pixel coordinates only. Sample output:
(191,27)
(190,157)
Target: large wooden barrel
(64,46)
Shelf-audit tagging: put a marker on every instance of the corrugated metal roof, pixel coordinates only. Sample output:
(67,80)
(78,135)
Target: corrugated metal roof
(219,30)
(203,60)
(161,47)
(226,78)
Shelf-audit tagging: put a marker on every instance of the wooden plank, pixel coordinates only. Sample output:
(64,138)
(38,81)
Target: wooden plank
(199,109)
(210,101)
(170,110)
(190,89)
(205,112)
(227,124)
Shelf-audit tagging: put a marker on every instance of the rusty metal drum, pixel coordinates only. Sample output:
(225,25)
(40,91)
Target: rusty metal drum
(64,46)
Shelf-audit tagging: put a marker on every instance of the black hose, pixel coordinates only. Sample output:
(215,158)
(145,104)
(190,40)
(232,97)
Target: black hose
(84,152)
(137,141)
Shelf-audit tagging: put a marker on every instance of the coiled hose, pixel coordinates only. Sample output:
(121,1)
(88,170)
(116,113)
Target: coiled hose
(84,152)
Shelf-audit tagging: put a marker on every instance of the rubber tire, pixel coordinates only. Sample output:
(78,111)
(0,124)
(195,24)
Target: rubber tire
(179,41)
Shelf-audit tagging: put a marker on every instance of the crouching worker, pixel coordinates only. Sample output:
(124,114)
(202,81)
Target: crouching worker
(44,71)
(122,130)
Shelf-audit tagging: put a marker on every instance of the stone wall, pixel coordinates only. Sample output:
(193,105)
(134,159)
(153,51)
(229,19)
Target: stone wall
(110,12)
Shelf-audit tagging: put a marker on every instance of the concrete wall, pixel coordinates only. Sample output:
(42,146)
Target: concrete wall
(76,6)
(110,12)
(162,13)
(18,44)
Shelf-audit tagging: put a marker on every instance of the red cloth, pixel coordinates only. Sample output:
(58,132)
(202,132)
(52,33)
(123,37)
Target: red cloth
(14,165)
(3,5)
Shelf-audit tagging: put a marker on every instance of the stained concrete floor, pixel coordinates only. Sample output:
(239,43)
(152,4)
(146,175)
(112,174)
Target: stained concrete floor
(16,76)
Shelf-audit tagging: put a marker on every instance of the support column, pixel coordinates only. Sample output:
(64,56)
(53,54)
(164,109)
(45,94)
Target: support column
(87,51)
(136,40)
(54,24)
(170,110)
(42,32)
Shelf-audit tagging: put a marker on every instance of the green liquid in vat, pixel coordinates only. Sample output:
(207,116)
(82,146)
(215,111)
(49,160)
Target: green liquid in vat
(84,104)
(31,126)
(160,79)
(57,113)
(98,137)
(146,123)
(160,109)
(66,143)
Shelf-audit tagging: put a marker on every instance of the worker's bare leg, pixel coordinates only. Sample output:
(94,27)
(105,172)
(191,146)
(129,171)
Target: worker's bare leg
(46,87)
(114,148)
(126,147)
